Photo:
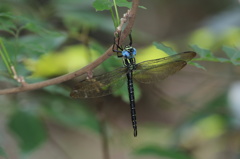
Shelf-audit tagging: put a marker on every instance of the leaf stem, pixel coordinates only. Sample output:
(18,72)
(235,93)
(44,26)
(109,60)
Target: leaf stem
(113,18)
(116,12)
(5,57)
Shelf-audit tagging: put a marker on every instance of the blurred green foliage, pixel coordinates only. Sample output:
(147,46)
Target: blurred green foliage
(70,113)
(153,150)
(28,128)
(77,56)
(2,152)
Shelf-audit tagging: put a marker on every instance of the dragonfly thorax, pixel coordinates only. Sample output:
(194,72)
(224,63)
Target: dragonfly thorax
(130,63)
(129,52)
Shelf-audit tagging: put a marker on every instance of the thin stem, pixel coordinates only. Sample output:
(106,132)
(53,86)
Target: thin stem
(113,18)
(17,46)
(6,53)
(10,67)
(116,11)
(5,57)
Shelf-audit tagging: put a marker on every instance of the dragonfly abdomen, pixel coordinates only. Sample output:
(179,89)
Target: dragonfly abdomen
(132,101)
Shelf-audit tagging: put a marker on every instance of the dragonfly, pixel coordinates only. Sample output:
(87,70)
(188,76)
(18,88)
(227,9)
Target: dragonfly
(144,72)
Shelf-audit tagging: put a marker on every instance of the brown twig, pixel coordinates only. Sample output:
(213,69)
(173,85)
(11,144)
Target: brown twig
(88,68)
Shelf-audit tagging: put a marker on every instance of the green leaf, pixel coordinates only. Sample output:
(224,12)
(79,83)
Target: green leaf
(29,45)
(124,3)
(203,53)
(233,54)
(197,65)
(6,23)
(162,152)
(164,48)
(221,59)
(206,55)
(28,129)
(142,7)
(14,24)
(68,59)
(101,5)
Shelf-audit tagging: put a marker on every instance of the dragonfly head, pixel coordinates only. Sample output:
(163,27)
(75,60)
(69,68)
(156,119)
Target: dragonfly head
(129,52)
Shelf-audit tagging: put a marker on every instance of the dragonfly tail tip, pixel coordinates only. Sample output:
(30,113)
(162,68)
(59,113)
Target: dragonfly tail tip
(135,133)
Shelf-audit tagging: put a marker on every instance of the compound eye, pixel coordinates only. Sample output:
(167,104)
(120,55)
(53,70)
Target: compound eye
(125,53)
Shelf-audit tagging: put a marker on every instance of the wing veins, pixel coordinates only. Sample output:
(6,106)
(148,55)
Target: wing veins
(159,69)
(100,85)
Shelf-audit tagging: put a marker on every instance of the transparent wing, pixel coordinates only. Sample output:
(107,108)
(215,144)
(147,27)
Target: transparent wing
(159,69)
(101,85)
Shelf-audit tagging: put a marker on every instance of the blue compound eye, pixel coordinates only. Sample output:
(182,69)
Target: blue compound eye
(134,51)
(125,53)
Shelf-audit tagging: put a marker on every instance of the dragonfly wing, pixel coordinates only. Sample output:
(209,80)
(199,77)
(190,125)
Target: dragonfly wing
(159,69)
(101,85)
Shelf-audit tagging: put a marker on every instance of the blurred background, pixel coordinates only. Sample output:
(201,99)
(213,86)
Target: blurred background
(193,114)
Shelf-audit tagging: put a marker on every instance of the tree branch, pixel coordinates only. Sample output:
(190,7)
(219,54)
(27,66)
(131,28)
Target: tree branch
(86,69)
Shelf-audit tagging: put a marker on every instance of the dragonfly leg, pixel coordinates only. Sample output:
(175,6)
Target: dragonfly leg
(117,44)
(119,48)
(119,53)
